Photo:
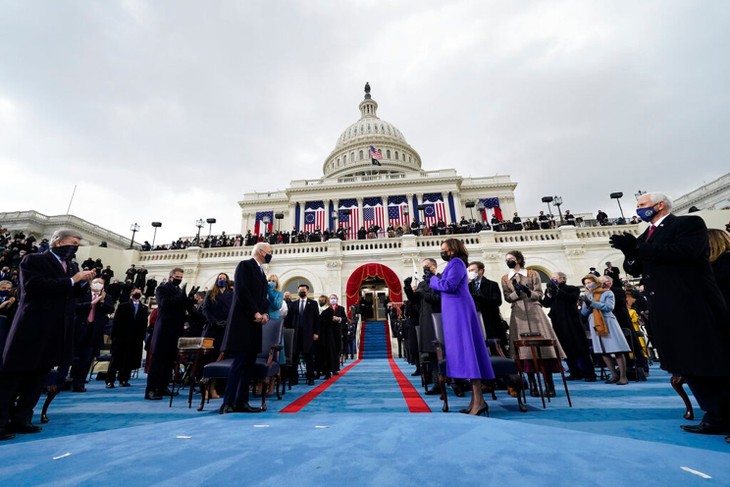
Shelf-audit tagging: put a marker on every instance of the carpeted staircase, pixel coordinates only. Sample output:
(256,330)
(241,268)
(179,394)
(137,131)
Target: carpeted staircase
(375,340)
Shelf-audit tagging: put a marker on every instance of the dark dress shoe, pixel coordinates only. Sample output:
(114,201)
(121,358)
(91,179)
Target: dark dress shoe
(111,386)
(247,408)
(78,389)
(705,429)
(168,392)
(327,376)
(125,384)
(418,372)
(23,428)
(335,373)
(590,379)
(152,396)
(434,391)
(6,435)
(310,382)
(226,409)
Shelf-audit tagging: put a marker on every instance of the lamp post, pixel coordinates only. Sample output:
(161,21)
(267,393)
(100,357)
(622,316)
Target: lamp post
(548,200)
(334,218)
(134,228)
(557,201)
(278,217)
(480,209)
(210,222)
(156,225)
(617,196)
(638,194)
(471,204)
(198,223)
(407,214)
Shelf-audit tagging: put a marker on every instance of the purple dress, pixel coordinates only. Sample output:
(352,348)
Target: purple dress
(466,351)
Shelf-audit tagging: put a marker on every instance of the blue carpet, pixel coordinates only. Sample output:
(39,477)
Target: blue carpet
(375,340)
(357,432)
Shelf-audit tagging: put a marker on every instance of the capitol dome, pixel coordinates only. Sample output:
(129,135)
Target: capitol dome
(351,155)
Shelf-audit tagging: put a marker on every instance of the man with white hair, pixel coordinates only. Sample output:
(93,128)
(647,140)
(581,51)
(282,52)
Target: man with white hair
(685,305)
(41,335)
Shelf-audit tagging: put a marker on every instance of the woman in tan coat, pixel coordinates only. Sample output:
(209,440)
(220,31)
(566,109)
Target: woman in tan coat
(523,289)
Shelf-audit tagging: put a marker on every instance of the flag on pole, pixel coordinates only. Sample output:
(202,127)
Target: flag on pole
(372,212)
(349,217)
(491,206)
(314,216)
(398,211)
(375,156)
(259,226)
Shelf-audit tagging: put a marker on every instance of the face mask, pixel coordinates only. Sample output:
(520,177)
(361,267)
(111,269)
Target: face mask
(4,294)
(176,282)
(445,256)
(511,264)
(472,275)
(97,286)
(427,271)
(333,302)
(591,286)
(272,285)
(646,214)
(302,294)
(66,252)
(136,295)
(554,281)
(222,283)
(267,258)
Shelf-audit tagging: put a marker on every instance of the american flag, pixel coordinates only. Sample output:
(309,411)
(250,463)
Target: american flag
(434,208)
(491,207)
(260,218)
(349,220)
(314,216)
(372,212)
(375,153)
(397,206)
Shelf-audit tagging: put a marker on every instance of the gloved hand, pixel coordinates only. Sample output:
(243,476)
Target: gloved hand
(521,288)
(407,281)
(626,243)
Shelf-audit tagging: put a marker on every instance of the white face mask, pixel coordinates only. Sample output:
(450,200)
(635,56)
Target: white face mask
(472,275)
(333,302)
(97,286)
(591,286)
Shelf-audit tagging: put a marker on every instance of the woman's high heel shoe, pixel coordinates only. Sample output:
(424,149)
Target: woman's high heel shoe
(483,411)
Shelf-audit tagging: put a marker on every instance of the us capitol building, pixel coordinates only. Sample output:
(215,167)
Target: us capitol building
(374,177)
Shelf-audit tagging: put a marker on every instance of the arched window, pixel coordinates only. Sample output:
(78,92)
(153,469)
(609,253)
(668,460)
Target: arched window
(352,156)
(344,158)
(396,155)
(387,154)
(361,155)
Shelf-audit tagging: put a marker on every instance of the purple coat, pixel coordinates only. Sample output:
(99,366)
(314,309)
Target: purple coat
(466,350)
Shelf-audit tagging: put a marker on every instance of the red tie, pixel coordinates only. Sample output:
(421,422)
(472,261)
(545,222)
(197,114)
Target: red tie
(92,311)
(651,231)
(64,265)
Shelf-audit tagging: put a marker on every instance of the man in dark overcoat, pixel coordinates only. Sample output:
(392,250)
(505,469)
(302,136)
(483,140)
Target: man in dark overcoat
(427,303)
(331,321)
(128,331)
(169,327)
(562,299)
(685,305)
(487,299)
(242,339)
(41,335)
(303,316)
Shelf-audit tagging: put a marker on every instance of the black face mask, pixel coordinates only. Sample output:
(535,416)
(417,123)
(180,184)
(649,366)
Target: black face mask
(445,256)
(267,258)
(302,294)
(427,271)
(65,252)
(176,282)
(136,295)
(511,264)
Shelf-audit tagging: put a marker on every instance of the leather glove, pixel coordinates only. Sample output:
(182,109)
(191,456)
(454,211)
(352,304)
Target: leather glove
(407,281)
(626,243)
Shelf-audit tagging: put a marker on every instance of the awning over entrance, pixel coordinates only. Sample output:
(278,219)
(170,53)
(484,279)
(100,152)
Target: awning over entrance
(373,270)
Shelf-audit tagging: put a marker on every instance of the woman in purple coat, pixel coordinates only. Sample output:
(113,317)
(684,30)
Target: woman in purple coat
(466,350)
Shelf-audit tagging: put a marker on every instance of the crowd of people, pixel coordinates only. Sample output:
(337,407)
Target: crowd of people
(57,312)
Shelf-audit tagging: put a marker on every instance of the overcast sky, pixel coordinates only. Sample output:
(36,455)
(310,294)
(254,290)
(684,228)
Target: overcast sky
(171,110)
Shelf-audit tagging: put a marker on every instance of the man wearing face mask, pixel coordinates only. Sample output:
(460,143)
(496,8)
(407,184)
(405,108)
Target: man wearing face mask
(243,335)
(303,316)
(562,299)
(331,321)
(426,302)
(685,304)
(92,316)
(169,327)
(487,299)
(41,335)
(128,331)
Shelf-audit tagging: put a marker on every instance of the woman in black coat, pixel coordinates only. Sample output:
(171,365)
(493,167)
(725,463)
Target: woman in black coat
(720,258)
(216,307)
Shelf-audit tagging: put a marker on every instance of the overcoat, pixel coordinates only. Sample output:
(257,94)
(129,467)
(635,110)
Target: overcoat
(170,324)
(128,331)
(243,334)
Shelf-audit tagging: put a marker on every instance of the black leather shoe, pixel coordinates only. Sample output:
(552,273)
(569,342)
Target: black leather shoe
(6,435)
(226,409)
(23,428)
(125,384)
(434,391)
(247,408)
(705,429)
(110,385)
(168,392)
(152,396)
(78,389)
(310,382)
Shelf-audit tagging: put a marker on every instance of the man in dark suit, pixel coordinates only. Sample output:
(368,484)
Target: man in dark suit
(171,302)
(332,320)
(41,335)
(242,339)
(92,317)
(685,304)
(303,316)
(487,298)
(128,332)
